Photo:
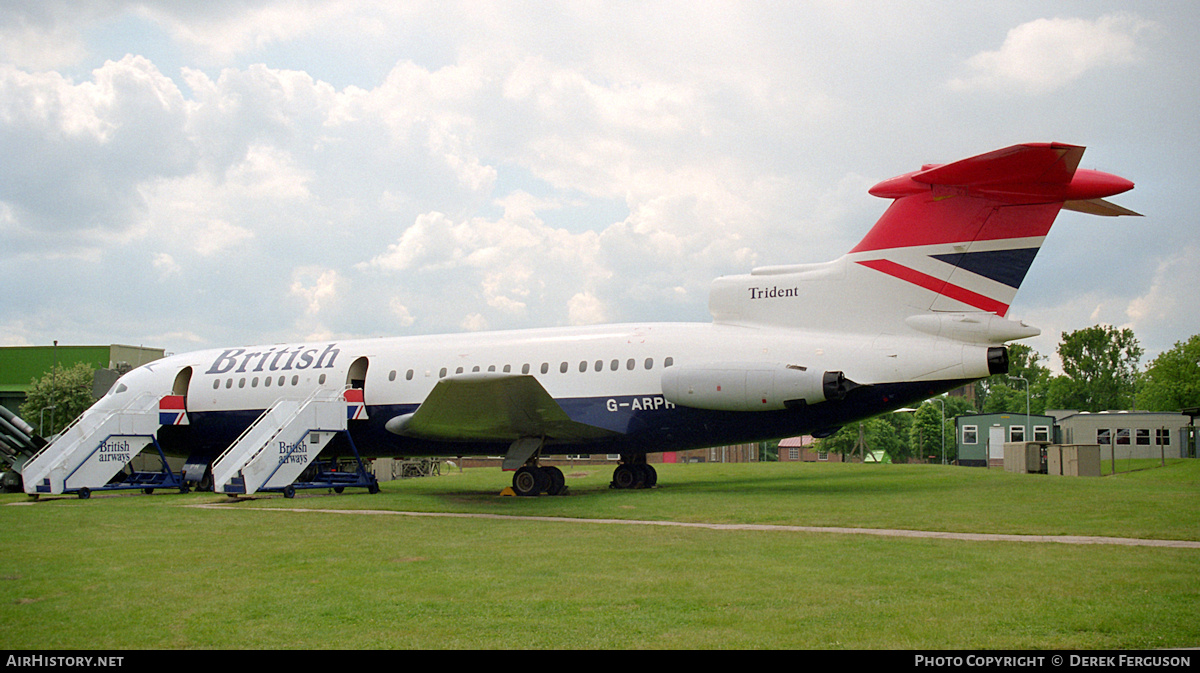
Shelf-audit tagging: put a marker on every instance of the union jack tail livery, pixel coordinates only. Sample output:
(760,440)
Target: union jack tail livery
(959,238)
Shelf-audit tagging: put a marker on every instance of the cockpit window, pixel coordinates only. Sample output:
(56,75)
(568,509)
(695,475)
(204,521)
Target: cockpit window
(121,387)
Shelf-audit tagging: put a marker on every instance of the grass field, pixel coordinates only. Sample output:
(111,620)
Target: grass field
(136,571)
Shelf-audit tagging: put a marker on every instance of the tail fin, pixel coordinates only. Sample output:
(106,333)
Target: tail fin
(968,231)
(959,237)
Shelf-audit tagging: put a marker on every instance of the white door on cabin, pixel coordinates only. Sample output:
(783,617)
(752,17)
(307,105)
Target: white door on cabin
(996,442)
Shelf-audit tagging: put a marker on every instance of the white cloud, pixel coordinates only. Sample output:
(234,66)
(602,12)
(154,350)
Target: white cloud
(586,309)
(46,35)
(166,265)
(1166,312)
(316,286)
(403,316)
(474,322)
(223,30)
(1047,54)
(78,152)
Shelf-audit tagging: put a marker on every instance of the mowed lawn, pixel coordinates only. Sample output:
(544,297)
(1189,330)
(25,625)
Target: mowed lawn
(349,571)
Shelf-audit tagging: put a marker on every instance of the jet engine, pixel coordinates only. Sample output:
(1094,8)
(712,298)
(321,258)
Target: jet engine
(752,386)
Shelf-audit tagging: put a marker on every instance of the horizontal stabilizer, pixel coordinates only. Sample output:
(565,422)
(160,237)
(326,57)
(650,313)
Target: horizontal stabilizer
(1030,173)
(1098,207)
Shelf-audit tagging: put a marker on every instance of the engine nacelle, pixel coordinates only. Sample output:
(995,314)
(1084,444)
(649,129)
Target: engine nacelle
(753,386)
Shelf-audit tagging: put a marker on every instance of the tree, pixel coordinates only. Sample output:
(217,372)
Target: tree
(929,420)
(879,432)
(1002,392)
(1100,368)
(1172,381)
(68,390)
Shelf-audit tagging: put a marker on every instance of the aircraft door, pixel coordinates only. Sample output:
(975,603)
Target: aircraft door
(182,380)
(356,384)
(173,408)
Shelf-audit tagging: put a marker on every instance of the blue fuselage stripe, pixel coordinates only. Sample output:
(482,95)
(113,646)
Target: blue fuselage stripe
(644,423)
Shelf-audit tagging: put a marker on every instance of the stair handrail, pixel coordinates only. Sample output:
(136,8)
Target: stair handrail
(285,423)
(107,415)
(302,404)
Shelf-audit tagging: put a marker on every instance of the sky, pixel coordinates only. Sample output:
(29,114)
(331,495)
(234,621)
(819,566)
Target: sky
(193,175)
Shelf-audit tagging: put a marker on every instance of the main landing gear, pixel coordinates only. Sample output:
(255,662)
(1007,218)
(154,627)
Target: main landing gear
(533,479)
(634,472)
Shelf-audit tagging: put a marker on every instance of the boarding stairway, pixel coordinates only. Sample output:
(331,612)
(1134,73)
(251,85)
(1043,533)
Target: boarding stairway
(89,453)
(276,449)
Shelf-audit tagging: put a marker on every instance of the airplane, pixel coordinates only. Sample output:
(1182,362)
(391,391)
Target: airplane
(917,308)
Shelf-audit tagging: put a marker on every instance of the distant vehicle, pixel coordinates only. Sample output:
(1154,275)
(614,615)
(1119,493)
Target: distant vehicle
(917,308)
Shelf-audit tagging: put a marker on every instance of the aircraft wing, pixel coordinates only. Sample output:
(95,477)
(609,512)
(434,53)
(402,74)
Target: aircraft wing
(491,407)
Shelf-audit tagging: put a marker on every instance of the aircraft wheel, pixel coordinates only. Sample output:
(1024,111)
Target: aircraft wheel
(530,481)
(558,482)
(627,476)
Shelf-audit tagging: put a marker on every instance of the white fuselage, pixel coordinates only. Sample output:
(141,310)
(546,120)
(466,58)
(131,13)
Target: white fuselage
(608,376)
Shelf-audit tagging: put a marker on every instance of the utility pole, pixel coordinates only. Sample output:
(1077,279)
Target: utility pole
(54,381)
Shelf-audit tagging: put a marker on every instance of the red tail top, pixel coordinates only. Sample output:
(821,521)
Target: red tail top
(982,220)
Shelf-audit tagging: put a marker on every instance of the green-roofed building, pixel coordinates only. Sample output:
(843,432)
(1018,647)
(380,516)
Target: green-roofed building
(20,365)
